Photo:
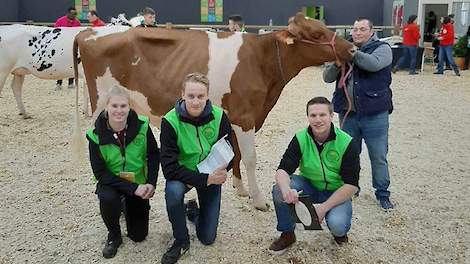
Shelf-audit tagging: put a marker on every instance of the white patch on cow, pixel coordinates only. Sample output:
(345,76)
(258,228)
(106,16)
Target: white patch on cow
(104,31)
(223,59)
(136,62)
(246,143)
(138,101)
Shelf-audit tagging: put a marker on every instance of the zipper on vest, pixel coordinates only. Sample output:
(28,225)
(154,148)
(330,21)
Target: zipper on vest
(323,170)
(200,144)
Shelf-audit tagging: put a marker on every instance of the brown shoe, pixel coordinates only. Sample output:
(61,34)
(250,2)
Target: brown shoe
(341,240)
(282,243)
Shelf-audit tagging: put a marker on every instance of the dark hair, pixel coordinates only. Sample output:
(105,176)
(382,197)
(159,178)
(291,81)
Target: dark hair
(70,9)
(236,18)
(93,13)
(412,18)
(365,19)
(446,20)
(148,11)
(320,100)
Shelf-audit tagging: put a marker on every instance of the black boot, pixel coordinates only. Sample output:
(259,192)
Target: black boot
(111,247)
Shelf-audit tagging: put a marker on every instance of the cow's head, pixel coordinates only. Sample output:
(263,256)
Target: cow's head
(317,40)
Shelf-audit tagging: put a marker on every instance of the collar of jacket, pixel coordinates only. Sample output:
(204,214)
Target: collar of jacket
(331,136)
(205,117)
(106,134)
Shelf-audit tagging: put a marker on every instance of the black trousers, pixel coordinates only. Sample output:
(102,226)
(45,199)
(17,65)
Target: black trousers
(136,211)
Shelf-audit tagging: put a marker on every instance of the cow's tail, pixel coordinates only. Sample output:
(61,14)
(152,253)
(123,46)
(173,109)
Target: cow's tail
(77,141)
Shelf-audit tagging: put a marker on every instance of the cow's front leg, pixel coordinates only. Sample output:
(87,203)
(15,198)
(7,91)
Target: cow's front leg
(246,142)
(16,86)
(3,78)
(237,182)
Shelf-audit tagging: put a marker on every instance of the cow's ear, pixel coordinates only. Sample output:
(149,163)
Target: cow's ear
(284,36)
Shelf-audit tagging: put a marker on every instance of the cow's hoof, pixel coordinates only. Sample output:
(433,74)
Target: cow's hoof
(260,203)
(241,191)
(26,116)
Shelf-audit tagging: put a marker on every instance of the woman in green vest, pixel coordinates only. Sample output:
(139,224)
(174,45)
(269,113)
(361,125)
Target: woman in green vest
(187,134)
(328,173)
(124,157)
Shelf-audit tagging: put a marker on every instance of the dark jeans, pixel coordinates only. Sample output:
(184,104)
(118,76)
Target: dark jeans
(409,52)
(59,82)
(208,220)
(136,212)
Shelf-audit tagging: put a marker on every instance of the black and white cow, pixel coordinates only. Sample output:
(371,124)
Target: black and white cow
(43,52)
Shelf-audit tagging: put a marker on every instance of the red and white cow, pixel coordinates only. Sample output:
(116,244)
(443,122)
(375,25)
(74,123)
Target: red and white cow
(247,73)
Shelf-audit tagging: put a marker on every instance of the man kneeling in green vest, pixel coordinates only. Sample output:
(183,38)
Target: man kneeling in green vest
(329,174)
(188,133)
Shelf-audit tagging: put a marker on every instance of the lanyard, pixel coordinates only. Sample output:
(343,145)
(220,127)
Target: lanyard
(122,146)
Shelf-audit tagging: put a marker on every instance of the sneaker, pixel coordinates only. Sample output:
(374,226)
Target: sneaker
(282,243)
(394,70)
(175,252)
(385,203)
(341,240)
(192,210)
(111,247)
(457,73)
(438,73)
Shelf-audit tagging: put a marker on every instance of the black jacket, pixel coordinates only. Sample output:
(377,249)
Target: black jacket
(105,134)
(172,170)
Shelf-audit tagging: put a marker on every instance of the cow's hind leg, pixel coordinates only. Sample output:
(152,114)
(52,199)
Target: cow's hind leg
(17,86)
(3,79)
(246,143)
(85,107)
(237,176)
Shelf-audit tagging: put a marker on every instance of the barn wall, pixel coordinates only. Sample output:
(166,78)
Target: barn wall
(337,12)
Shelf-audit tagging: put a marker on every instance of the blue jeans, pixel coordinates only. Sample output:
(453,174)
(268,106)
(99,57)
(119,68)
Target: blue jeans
(408,52)
(338,218)
(208,220)
(445,53)
(374,130)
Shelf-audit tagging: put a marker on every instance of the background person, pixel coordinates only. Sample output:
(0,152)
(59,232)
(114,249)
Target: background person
(69,20)
(94,20)
(236,23)
(446,37)
(411,38)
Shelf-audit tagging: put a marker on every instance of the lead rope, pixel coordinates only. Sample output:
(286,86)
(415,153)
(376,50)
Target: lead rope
(279,63)
(344,74)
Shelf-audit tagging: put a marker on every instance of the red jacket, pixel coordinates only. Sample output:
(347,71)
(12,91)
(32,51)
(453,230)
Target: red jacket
(411,34)
(447,34)
(65,22)
(97,23)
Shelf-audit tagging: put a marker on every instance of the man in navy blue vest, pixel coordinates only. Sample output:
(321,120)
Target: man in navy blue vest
(369,90)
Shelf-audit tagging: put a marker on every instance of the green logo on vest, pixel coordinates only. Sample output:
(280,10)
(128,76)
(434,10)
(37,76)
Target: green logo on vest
(332,155)
(208,132)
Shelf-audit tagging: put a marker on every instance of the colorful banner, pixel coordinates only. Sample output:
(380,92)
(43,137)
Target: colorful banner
(83,7)
(212,10)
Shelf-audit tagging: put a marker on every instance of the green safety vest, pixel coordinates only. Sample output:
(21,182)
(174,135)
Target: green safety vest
(322,169)
(135,159)
(195,142)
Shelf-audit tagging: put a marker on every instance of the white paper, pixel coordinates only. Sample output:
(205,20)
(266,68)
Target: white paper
(221,154)
(303,213)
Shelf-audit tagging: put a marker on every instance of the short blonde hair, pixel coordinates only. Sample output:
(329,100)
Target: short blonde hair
(116,90)
(195,77)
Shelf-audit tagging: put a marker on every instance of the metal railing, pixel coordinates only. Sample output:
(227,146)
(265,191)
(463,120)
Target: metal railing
(338,28)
